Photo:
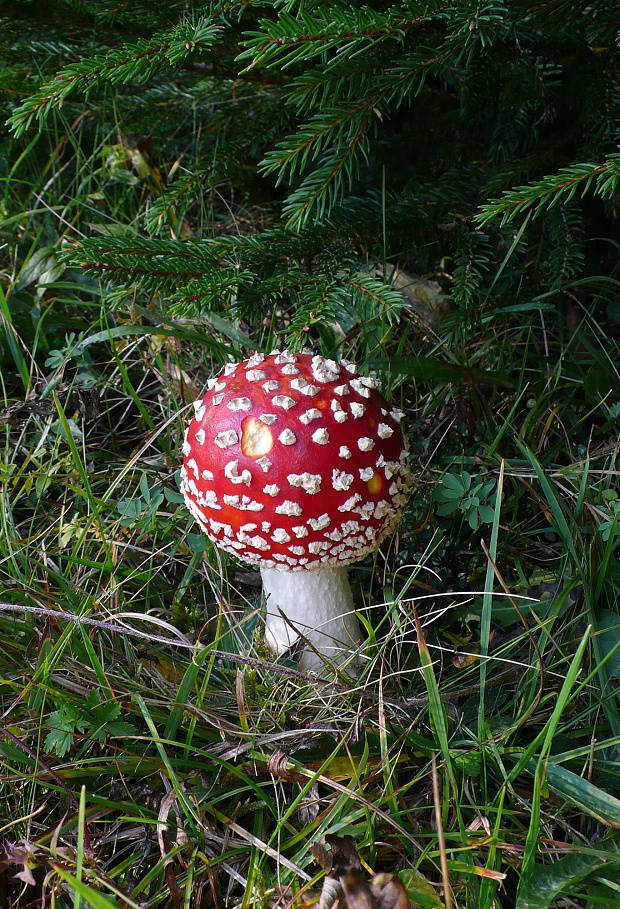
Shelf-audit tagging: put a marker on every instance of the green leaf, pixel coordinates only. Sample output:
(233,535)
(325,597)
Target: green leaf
(59,740)
(486,514)
(64,723)
(119,727)
(14,755)
(173,497)
(455,485)
(197,542)
(548,882)
(447,508)
(105,713)
(144,489)
(487,489)
(585,795)
(449,496)
(472,519)
(421,892)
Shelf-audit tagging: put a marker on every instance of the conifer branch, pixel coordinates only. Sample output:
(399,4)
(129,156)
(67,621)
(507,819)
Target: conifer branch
(327,77)
(365,289)
(184,190)
(338,125)
(184,260)
(549,191)
(345,31)
(137,62)
(319,192)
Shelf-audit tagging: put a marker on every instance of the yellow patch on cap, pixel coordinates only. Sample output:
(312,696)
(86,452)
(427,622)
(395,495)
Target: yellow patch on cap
(374,484)
(256,438)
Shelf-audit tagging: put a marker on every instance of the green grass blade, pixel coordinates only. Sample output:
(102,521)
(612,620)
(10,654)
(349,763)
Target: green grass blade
(438,717)
(80,845)
(88,492)
(11,340)
(550,728)
(187,808)
(94,898)
(590,799)
(556,509)
(487,604)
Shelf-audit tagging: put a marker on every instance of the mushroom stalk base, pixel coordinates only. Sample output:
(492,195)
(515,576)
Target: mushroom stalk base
(319,604)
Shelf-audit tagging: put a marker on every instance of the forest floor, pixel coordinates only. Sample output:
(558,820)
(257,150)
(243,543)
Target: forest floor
(152,753)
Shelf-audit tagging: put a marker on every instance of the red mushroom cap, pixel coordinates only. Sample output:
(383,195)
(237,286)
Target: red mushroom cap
(291,461)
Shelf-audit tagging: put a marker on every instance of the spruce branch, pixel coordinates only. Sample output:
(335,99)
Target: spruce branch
(167,263)
(337,125)
(136,62)
(319,87)
(353,80)
(229,160)
(544,194)
(323,187)
(145,15)
(337,131)
(564,243)
(344,31)
(221,285)
(362,292)
(471,263)
(345,295)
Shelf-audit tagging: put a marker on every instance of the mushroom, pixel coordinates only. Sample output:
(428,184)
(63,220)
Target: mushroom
(295,464)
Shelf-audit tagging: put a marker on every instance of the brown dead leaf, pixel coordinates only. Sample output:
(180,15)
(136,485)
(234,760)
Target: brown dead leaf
(322,856)
(344,852)
(389,892)
(356,891)
(464,660)
(489,873)
(330,892)
(342,865)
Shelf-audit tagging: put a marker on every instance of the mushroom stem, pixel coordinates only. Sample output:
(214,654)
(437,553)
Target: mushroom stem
(320,605)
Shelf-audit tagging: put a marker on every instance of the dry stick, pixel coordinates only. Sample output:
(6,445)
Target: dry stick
(25,817)
(160,639)
(234,658)
(527,629)
(447,893)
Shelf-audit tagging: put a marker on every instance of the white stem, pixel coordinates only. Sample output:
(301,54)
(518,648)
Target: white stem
(317,603)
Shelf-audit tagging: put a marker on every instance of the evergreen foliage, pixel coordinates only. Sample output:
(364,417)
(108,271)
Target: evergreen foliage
(446,118)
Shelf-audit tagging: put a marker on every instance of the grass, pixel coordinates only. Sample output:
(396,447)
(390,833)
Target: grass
(151,752)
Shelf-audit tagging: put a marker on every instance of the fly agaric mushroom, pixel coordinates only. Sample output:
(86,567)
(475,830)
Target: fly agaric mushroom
(295,464)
